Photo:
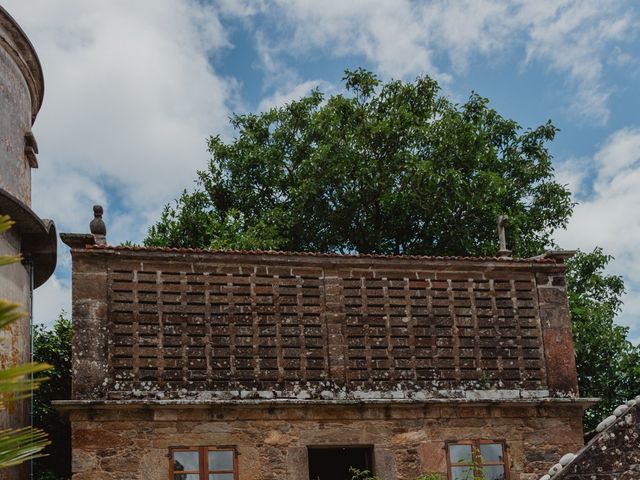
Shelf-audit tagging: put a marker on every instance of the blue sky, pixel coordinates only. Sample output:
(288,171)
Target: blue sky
(134,88)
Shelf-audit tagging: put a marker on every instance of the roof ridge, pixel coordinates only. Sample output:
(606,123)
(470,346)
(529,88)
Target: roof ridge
(136,248)
(602,427)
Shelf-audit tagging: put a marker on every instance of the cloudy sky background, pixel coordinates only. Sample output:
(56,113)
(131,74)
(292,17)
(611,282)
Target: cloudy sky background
(134,88)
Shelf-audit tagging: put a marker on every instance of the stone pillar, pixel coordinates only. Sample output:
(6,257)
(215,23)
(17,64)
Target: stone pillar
(89,325)
(555,320)
(334,315)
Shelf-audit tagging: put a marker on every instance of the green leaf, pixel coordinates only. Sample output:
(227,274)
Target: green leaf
(5,223)
(9,313)
(9,259)
(17,379)
(21,445)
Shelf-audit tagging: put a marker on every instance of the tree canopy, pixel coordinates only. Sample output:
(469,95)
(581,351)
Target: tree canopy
(608,364)
(386,168)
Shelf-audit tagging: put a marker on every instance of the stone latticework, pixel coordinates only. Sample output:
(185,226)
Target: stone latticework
(217,326)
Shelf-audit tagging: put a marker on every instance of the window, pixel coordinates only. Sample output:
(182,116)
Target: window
(480,458)
(203,463)
(335,463)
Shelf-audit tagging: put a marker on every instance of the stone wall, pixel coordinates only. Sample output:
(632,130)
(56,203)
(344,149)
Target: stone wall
(127,442)
(174,323)
(20,97)
(15,340)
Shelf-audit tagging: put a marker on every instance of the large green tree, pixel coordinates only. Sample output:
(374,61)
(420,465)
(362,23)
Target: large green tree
(399,168)
(608,364)
(393,168)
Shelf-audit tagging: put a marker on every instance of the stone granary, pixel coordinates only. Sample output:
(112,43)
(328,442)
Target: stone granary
(21,90)
(194,364)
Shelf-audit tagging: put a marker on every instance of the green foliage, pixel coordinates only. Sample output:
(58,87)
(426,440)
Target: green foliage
(357,474)
(22,444)
(5,224)
(129,243)
(608,364)
(430,476)
(53,346)
(393,168)
(9,312)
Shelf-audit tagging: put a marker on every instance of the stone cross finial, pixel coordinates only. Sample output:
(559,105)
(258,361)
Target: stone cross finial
(502,238)
(97,226)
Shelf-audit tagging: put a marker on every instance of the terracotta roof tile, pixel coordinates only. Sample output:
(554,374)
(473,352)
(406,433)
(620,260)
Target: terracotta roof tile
(130,248)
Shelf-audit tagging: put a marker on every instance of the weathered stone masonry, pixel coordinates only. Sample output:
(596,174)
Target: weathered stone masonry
(274,352)
(132,441)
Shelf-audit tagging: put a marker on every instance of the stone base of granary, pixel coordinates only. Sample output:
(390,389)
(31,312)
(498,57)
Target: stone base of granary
(129,440)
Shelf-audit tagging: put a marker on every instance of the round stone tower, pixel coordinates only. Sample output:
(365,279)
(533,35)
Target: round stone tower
(21,90)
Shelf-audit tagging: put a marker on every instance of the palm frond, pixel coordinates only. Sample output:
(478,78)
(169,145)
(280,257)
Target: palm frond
(5,223)
(15,380)
(9,259)
(9,313)
(20,445)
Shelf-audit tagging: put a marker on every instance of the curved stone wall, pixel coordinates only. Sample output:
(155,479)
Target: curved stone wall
(21,89)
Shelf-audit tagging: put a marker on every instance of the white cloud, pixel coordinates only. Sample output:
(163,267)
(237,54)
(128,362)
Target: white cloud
(576,38)
(285,95)
(618,157)
(573,173)
(392,35)
(130,99)
(283,80)
(50,300)
(405,38)
(629,315)
(608,217)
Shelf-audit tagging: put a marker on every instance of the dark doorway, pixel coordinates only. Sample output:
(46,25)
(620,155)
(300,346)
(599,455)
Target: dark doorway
(335,463)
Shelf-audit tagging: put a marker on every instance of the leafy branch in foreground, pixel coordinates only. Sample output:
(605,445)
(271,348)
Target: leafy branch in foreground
(357,474)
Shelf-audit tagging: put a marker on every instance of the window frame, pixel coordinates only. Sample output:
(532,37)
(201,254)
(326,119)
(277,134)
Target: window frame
(475,456)
(203,471)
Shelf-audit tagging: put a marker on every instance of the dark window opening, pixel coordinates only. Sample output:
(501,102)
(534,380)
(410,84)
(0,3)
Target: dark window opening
(336,463)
